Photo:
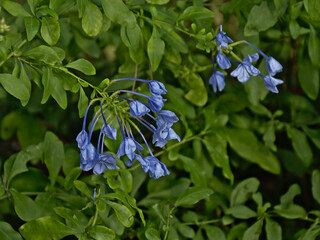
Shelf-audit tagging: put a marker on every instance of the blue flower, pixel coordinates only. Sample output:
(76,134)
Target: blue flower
(217,81)
(156,168)
(127,147)
(156,87)
(273,66)
(82,139)
(222,39)
(88,157)
(106,160)
(245,67)
(155,103)
(138,109)
(109,131)
(271,83)
(166,116)
(162,134)
(223,61)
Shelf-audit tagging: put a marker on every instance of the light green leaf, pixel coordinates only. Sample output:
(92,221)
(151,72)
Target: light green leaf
(273,230)
(32,25)
(81,6)
(50,30)
(101,233)
(214,233)
(123,213)
(92,20)
(45,228)
(300,145)
(241,212)
(152,234)
(313,8)
(260,19)
(256,90)
(83,66)
(72,175)
(253,232)
(156,48)
(8,233)
(82,187)
(117,11)
(58,92)
(83,103)
(15,9)
(43,53)
(158,2)
(292,211)
(195,12)
(14,86)
(53,156)
(243,191)
(316,185)
(126,180)
(197,93)
(24,206)
(193,195)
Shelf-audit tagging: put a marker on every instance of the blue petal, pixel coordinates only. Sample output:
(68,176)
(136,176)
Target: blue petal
(252,70)
(138,109)
(223,61)
(109,160)
(166,116)
(172,135)
(156,87)
(271,83)
(82,139)
(109,131)
(217,80)
(99,168)
(273,66)
(155,103)
(241,73)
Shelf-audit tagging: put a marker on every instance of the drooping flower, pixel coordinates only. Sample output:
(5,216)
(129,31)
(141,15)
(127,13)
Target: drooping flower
(138,109)
(107,130)
(106,160)
(156,87)
(155,103)
(162,134)
(156,168)
(166,116)
(88,157)
(223,61)
(222,39)
(245,67)
(273,66)
(217,81)
(271,83)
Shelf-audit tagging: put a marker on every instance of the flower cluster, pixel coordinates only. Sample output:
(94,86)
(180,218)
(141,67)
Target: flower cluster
(244,68)
(96,159)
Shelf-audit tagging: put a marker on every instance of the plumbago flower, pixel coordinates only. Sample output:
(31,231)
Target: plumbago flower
(245,67)
(140,112)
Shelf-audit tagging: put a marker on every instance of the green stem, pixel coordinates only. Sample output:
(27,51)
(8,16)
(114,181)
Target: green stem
(237,43)
(13,53)
(168,223)
(203,222)
(95,217)
(236,57)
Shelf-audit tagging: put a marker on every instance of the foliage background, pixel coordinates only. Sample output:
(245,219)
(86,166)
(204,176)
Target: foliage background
(247,165)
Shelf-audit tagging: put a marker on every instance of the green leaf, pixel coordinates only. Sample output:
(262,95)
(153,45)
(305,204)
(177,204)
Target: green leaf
(158,2)
(25,81)
(50,30)
(117,11)
(288,197)
(195,12)
(156,48)
(308,77)
(58,92)
(243,191)
(193,195)
(14,86)
(197,93)
(53,156)
(72,175)
(92,20)
(300,145)
(152,234)
(260,19)
(132,201)
(24,206)
(8,233)
(15,9)
(82,187)
(294,28)
(315,185)
(47,86)
(87,45)
(273,230)
(83,103)
(126,180)
(196,172)
(132,37)
(245,143)
(217,148)
(45,228)
(253,232)
(83,66)
(313,134)
(313,8)
(241,212)
(256,90)
(314,47)
(100,232)
(174,40)
(32,25)
(292,211)
(43,53)
(123,213)
(81,6)
(214,233)
(186,231)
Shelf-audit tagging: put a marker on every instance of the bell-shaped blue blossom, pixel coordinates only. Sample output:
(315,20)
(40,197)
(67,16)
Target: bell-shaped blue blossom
(138,109)
(109,131)
(222,39)
(217,81)
(106,160)
(88,157)
(273,66)
(245,67)
(143,162)
(83,137)
(162,134)
(156,87)
(271,83)
(127,147)
(223,61)
(166,117)
(155,103)
(156,168)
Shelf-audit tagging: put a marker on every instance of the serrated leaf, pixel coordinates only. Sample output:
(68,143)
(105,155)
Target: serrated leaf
(83,66)
(193,195)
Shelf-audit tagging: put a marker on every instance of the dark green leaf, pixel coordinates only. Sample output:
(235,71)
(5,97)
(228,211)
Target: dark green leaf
(83,66)
(58,92)
(117,11)
(152,234)
(92,20)
(14,86)
(83,103)
(101,233)
(24,206)
(195,12)
(186,231)
(243,191)
(315,185)
(43,53)
(123,213)
(241,212)
(214,233)
(273,230)
(193,195)
(47,86)
(50,30)
(71,176)
(174,40)
(196,172)
(32,25)
(8,233)
(313,134)
(82,187)
(314,46)
(14,9)
(308,76)
(126,180)
(53,156)
(292,211)
(253,232)
(156,48)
